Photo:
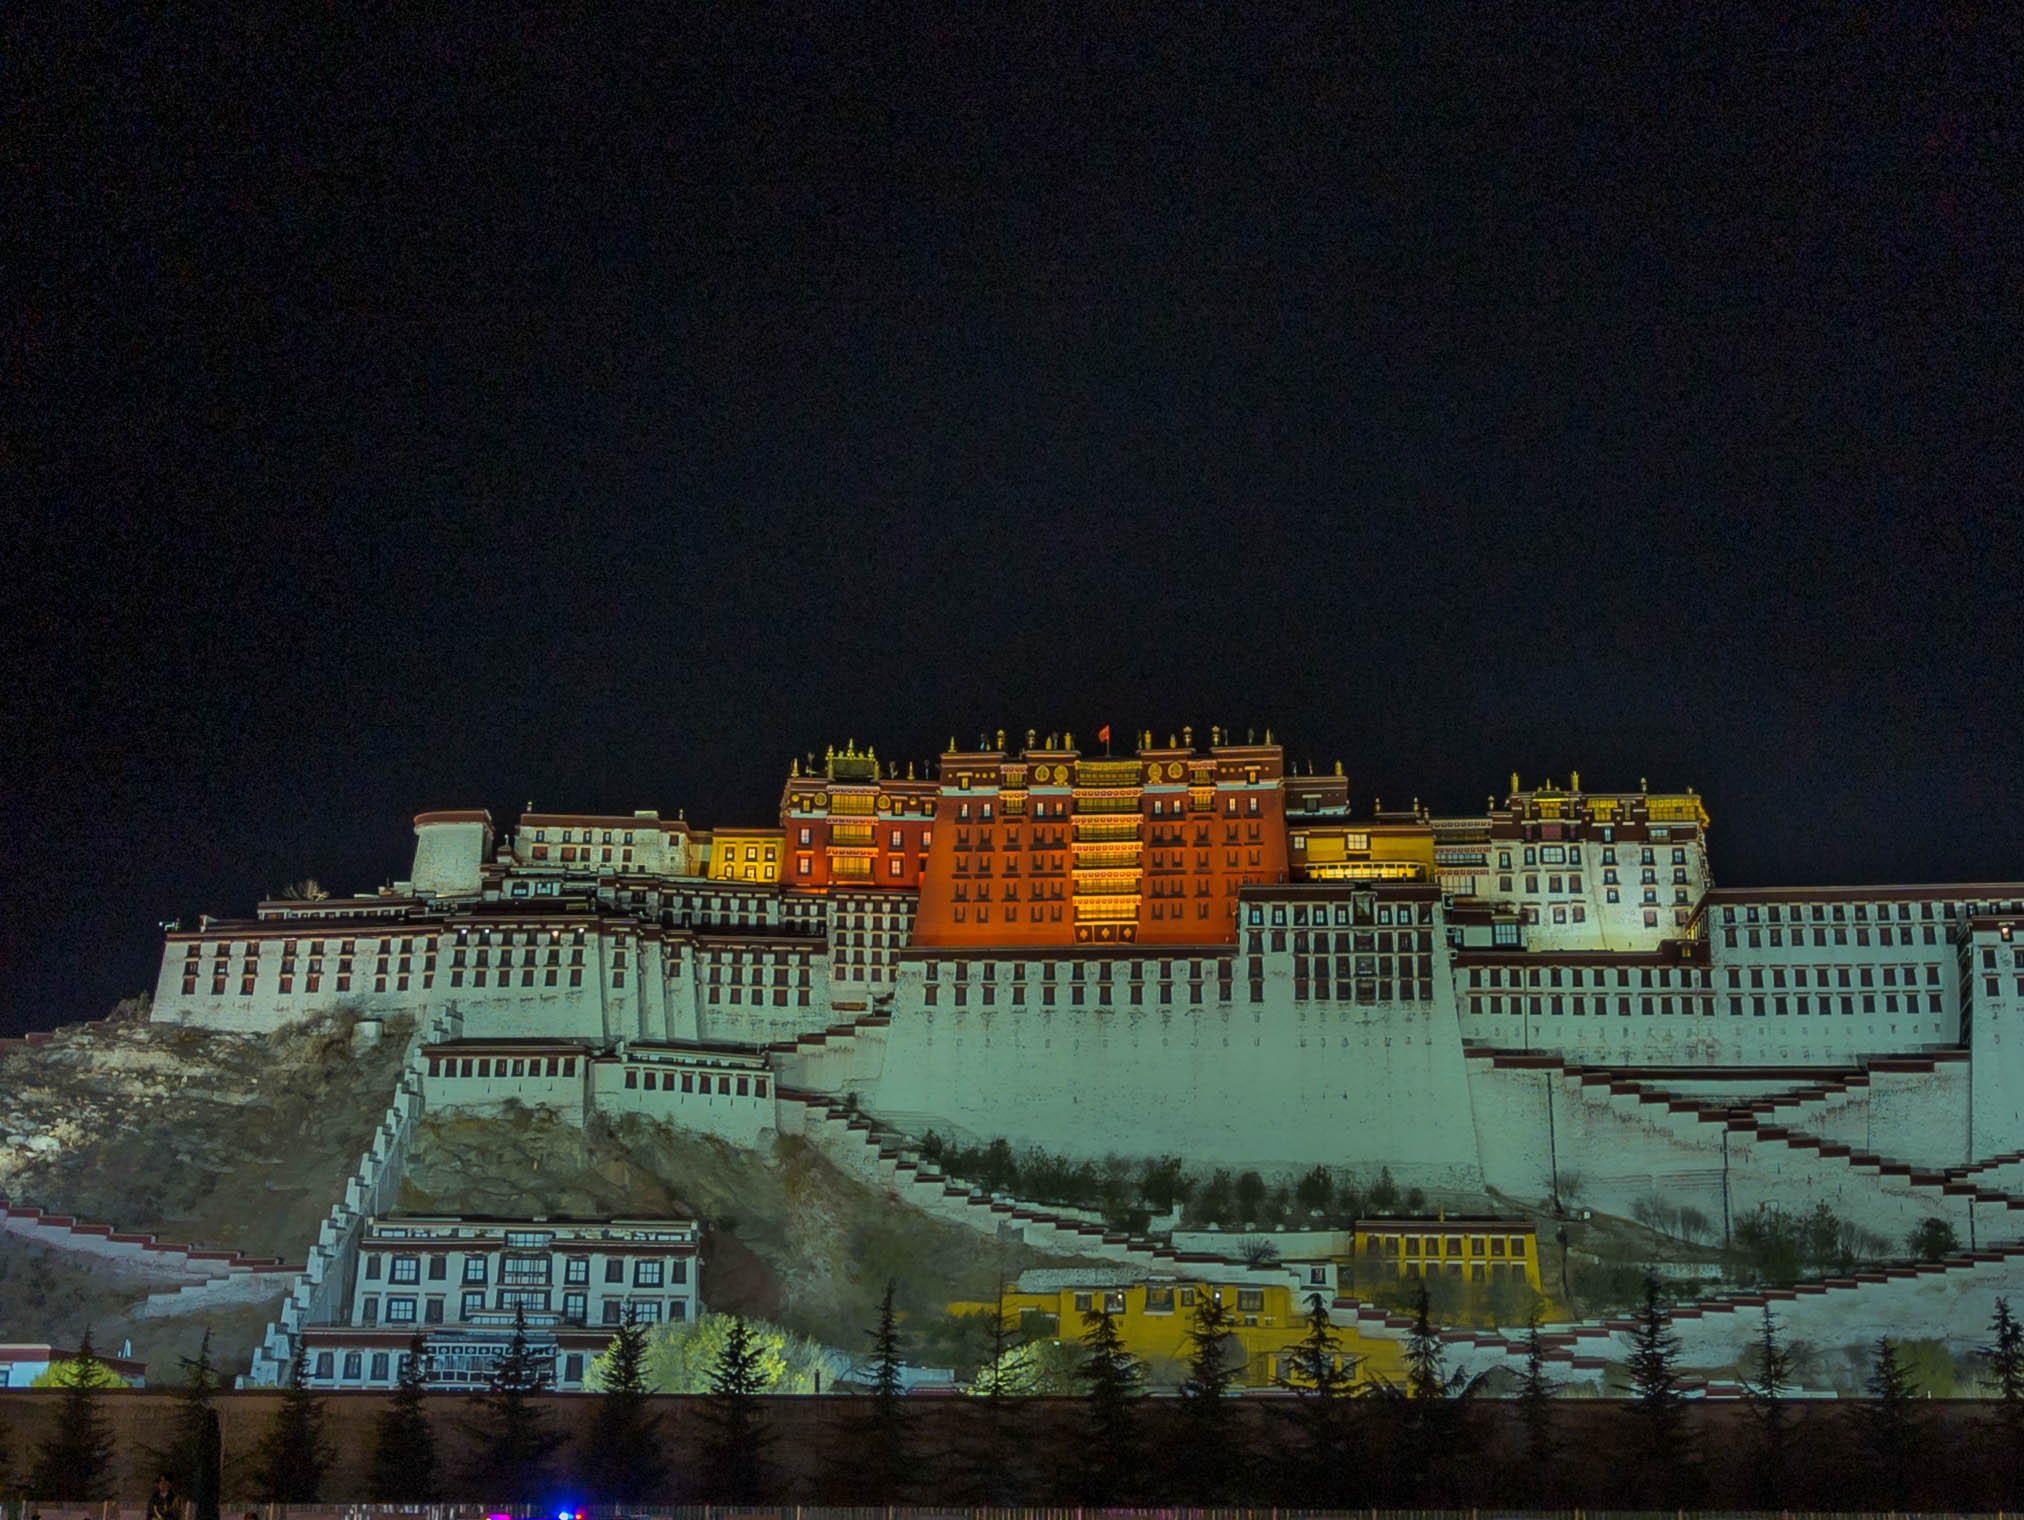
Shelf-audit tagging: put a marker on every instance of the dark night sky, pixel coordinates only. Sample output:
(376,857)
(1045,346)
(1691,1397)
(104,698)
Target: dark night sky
(430,418)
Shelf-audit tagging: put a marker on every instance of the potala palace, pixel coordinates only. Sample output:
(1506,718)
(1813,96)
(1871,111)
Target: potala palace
(1188,950)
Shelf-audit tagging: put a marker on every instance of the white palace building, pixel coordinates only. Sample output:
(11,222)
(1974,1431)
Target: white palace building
(1190,950)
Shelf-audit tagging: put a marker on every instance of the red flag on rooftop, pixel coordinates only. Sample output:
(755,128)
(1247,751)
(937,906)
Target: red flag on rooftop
(1104,733)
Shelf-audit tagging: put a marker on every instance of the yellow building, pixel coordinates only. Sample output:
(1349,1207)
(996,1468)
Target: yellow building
(748,855)
(1382,849)
(1481,1251)
(1153,1317)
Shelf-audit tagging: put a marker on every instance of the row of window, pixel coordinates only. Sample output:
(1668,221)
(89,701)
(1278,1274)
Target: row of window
(1865,976)
(1360,912)
(524,1270)
(650,1080)
(1885,936)
(1572,976)
(413,1309)
(1555,1006)
(1445,1245)
(502,1066)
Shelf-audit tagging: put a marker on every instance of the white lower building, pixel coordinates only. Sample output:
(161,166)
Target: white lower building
(459,1283)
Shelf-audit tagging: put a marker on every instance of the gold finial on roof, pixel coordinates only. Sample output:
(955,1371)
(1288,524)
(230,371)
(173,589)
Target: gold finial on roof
(1188,735)
(1029,738)
(1514,783)
(910,770)
(794,766)
(1574,782)
(1338,767)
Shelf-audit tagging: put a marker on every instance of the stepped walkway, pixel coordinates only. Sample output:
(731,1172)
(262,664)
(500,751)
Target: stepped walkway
(1774,1123)
(201,1275)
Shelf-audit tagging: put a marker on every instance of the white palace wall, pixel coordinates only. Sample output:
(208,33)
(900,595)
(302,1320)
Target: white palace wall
(1277,1085)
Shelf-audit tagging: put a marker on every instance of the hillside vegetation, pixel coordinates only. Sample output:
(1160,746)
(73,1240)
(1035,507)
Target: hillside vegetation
(786,1235)
(213,1139)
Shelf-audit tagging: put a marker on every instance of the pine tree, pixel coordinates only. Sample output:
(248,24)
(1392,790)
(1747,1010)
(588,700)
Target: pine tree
(1426,1371)
(75,1462)
(1430,1427)
(1107,1469)
(2005,1356)
(192,1457)
(1892,1427)
(515,1444)
(1765,1396)
(985,1456)
(1208,1468)
(293,1456)
(1536,1414)
(404,1443)
(884,1456)
(1657,1401)
(733,1456)
(1322,1381)
(623,1461)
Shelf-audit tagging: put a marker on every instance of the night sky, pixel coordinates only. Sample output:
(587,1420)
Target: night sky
(402,419)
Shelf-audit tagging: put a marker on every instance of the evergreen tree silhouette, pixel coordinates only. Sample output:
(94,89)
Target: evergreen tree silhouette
(515,1446)
(623,1461)
(404,1443)
(734,1451)
(293,1455)
(1892,1427)
(1430,1427)
(75,1462)
(986,1426)
(1106,1469)
(1323,1382)
(884,1456)
(191,1459)
(1765,1396)
(1537,1416)
(2005,1429)
(1208,1469)
(1657,1403)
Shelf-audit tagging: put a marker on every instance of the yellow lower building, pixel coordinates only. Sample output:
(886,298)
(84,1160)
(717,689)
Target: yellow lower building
(1153,1317)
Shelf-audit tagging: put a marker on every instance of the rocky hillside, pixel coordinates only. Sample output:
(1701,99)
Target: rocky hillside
(787,1236)
(214,1139)
(238,1142)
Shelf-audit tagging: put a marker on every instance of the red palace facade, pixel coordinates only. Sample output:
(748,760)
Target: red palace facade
(1045,845)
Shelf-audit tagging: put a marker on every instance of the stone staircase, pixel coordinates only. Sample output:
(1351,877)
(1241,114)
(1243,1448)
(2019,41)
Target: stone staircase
(1952,1297)
(197,1276)
(1771,1159)
(857,1146)
(316,1296)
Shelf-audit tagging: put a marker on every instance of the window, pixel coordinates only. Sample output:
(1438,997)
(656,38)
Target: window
(405,1269)
(1250,1300)
(647,1274)
(400,1311)
(474,1269)
(439,1268)
(473,1304)
(432,1312)
(354,1365)
(576,1270)
(614,1269)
